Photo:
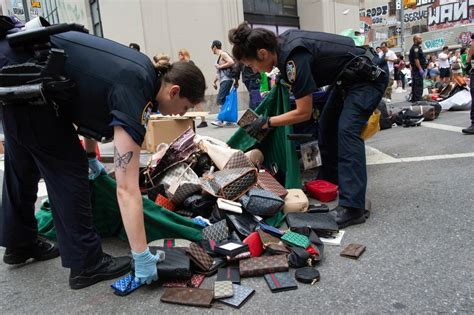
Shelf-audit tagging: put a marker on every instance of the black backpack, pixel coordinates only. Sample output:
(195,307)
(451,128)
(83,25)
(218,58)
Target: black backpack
(408,118)
(385,117)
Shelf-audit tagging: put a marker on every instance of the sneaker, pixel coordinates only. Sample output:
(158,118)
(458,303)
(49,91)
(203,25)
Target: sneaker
(217,123)
(388,100)
(39,250)
(469,130)
(230,124)
(203,124)
(349,216)
(108,268)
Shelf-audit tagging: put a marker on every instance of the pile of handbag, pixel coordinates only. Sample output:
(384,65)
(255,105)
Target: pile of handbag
(240,205)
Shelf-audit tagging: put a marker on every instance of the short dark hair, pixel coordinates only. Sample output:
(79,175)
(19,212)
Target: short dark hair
(445,47)
(383,44)
(248,41)
(217,44)
(472,36)
(189,78)
(134,46)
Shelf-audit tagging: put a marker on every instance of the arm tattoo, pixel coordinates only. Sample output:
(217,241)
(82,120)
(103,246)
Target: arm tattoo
(122,161)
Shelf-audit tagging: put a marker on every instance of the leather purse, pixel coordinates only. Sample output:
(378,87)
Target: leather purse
(258,266)
(353,251)
(238,160)
(321,223)
(200,204)
(307,275)
(280,281)
(195,282)
(188,296)
(176,265)
(261,202)
(229,183)
(254,243)
(229,205)
(296,239)
(229,273)
(322,190)
(271,229)
(164,202)
(299,257)
(223,289)
(295,201)
(199,256)
(243,224)
(267,182)
(248,117)
(231,248)
(180,182)
(316,249)
(272,244)
(240,297)
(216,232)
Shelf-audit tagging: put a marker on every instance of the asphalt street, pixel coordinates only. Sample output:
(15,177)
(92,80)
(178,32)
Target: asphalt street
(419,243)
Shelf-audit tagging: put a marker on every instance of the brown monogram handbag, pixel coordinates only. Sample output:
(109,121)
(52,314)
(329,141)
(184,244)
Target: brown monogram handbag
(230,183)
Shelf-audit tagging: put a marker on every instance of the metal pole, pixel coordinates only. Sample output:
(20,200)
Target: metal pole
(26,10)
(402,26)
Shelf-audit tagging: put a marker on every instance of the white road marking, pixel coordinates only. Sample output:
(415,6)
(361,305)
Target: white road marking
(441,126)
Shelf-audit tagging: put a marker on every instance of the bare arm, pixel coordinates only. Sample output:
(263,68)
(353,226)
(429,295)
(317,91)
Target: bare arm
(302,112)
(228,62)
(126,160)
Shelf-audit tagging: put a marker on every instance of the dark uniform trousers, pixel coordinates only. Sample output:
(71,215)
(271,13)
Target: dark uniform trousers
(416,85)
(472,96)
(346,111)
(39,144)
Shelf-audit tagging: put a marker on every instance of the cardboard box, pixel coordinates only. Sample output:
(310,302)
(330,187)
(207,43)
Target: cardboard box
(165,130)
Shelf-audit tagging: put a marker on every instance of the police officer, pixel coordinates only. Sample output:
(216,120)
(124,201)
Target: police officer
(116,89)
(310,60)
(418,65)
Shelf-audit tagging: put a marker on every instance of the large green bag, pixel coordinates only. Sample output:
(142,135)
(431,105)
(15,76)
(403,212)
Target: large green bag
(275,147)
(159,222)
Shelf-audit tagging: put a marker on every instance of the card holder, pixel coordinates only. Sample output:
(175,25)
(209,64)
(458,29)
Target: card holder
(126,285)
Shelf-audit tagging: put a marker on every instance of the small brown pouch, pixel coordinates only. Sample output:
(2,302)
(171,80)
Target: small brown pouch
(188,296)
(353,251)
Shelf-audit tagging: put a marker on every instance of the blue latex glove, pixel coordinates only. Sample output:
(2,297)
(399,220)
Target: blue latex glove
(145,265)
(422,73)
(96,168)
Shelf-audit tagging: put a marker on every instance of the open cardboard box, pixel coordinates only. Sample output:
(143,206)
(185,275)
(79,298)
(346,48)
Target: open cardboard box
(165,129)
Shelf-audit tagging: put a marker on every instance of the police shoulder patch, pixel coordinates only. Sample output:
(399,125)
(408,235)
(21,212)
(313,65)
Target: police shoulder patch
(291,71)
(416,50)
(146,113)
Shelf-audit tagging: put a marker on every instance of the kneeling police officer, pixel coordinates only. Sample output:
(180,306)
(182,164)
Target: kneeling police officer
(311,60)
(115,89)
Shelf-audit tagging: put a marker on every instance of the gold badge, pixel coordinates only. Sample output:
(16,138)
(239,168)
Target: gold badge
(291,71)
(146,113)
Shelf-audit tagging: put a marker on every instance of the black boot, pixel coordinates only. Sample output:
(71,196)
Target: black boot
(469,130)
(203,124)
(348,216)
(108,268)
(40,249)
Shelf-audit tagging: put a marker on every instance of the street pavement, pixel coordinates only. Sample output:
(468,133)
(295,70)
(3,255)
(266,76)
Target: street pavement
(419,243)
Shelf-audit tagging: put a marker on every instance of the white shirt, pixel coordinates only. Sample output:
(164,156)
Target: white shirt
(443,60)
(389,55)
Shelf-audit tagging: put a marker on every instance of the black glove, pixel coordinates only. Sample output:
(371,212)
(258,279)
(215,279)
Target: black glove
(255,126)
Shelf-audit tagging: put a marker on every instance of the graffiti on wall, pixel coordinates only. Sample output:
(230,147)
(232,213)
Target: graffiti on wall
(464,38)
(450,14)
(378,14)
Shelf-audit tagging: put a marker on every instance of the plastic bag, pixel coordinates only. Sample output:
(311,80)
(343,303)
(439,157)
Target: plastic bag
(372,127)
(229,109)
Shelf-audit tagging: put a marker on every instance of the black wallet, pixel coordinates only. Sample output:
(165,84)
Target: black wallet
(176,264)
(243,224)
(280,281)
(321,223)
(229,273)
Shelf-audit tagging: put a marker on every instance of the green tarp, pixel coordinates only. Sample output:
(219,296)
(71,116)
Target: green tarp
(159,223)
(275,147)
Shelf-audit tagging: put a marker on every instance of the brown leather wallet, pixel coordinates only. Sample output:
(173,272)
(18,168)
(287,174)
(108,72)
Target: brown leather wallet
(353,251)
(258,266)
(188,296)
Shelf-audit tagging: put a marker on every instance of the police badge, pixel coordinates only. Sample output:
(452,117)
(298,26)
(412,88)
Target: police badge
(146,113)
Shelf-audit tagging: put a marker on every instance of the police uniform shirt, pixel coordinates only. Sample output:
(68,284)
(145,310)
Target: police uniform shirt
(417,53)
(116,85)
(309,60)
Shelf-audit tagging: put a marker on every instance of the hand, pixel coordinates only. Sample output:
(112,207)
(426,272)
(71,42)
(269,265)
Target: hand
(214,84)
(255,126)
(218,67)
(145,265)
(96,169)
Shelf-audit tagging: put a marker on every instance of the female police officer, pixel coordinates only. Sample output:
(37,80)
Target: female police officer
(116,89)
(308,60)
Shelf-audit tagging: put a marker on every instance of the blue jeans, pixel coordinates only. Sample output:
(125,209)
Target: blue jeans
(224,88)
(342,149)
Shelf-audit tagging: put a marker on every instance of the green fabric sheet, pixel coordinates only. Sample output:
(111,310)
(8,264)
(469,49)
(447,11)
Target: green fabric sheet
(159,222)
(275,147)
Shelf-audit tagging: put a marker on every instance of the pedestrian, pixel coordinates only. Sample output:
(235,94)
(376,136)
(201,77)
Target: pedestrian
(183,55)
(470,60)
(224,76)
(390,57)
(418,65)
(401,73)
(464,60)
(433,69)
(134,46)
(252,83)
(161,60)
(308,60)
(444,66)
(116,89)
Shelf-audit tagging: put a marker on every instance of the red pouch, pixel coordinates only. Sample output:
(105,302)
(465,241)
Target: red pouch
(312,251)
(255,244)
(322,190)
(165,203)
